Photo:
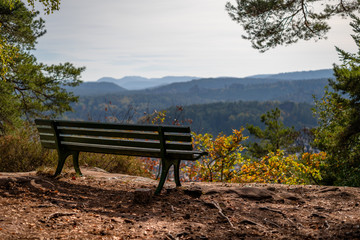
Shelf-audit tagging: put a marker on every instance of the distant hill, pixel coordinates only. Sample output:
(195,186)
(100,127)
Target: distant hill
(301,75)
(211,83)
(226,82)
(95,89)
(138,83)
(245,89)
(225,116)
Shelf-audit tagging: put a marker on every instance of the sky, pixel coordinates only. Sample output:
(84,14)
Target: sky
(156,38)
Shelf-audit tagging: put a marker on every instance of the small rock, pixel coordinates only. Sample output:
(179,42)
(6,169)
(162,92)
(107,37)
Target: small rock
(142,195)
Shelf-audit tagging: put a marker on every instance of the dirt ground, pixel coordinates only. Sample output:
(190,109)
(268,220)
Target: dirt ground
(101,205)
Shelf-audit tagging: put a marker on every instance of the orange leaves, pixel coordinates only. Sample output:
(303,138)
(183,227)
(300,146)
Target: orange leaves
(151,166)
(159,117)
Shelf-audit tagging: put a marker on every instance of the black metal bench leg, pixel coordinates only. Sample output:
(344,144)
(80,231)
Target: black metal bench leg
(76,163)
(61,161)
(164,172)
(177,172)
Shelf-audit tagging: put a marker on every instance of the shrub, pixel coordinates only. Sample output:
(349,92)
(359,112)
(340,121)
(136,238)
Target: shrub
(279,168)
(114,163)
(21,151)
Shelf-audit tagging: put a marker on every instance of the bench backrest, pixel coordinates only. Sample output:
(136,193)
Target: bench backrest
(124,139)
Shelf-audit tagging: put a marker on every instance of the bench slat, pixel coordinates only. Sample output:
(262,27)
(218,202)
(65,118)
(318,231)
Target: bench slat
(47,137)
(182,155)
(101,133)
(48,144)
(179,146)
(111,142)
(141,152)
(43,122)
(178,138)
(114,126)
(45,129)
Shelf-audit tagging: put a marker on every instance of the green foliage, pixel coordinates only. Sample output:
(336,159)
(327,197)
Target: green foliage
(7,50)
(48,5)
(31,89)
(21,151)
(114,163)
(275,136)
(339,121)
(269,23)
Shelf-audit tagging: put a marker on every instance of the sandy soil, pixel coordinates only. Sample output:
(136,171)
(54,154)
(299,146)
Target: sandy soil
(103,206)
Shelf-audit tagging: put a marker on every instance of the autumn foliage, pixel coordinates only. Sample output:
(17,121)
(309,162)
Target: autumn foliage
(225,163)
(279,168)
(224,155)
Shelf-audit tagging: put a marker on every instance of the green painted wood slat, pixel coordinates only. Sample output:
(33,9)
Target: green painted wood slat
(44,129)
(114,126)
(111,142)
(48,137)
(101,133)
(140,152)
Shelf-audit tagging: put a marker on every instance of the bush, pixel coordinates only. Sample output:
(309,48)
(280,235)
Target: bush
(114,163)
(21,151)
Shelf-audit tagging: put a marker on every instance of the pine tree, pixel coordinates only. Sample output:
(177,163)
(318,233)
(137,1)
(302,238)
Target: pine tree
(29,88)
(339,118)
(274,137)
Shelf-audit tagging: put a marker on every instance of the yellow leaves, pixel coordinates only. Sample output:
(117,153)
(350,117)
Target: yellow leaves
(224,155)
(278,168)
(159,117)
(226,163)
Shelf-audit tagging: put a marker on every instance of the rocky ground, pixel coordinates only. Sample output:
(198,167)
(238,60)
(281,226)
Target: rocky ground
(103,206)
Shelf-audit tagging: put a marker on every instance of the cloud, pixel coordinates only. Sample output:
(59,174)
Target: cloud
(161,37)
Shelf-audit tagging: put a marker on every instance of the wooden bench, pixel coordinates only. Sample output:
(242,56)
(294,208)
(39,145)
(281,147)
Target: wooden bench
(169,143)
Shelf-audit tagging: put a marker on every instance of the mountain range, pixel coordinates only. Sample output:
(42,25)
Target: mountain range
(107,85)
(101,100)
(137,82)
